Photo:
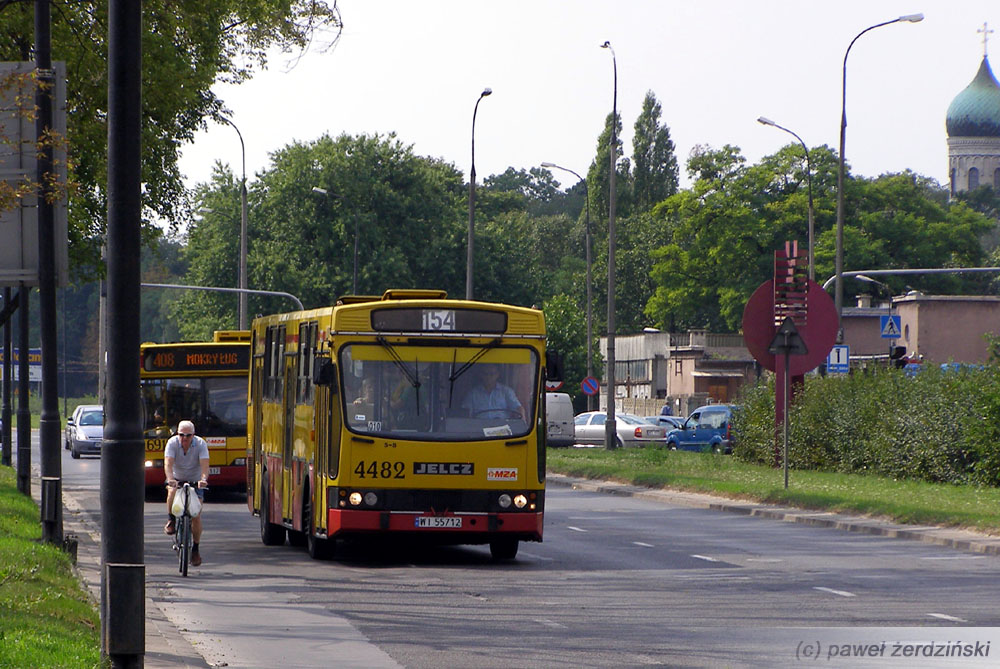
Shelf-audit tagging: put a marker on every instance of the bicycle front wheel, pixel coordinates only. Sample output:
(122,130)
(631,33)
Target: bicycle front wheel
(184,529)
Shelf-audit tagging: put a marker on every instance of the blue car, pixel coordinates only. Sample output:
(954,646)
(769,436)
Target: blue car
(706,429)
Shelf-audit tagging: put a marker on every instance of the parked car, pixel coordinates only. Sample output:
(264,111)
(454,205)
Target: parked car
(669,422)
(85,430)
(559,416)
(632,430)
(706,429)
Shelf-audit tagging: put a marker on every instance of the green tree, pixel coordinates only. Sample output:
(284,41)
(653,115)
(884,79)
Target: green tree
(599,175)
(408,212)
(654,165)
(186,48)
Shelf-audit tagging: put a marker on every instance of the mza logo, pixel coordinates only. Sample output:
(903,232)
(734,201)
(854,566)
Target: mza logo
(457,468)
(501,474)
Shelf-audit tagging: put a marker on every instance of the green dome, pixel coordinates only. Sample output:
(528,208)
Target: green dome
(975,112)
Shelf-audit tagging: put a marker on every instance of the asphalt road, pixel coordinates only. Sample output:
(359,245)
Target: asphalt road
(619,581)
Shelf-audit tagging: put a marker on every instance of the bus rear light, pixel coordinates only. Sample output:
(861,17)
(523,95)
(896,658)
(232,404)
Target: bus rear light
(504,501)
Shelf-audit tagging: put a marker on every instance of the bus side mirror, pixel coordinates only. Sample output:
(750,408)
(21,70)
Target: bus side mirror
(553,366)
(324,372)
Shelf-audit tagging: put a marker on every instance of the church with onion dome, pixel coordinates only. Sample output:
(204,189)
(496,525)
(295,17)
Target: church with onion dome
(973,124)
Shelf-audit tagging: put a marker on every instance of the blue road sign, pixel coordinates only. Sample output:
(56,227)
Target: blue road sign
(890,327)
(839,360)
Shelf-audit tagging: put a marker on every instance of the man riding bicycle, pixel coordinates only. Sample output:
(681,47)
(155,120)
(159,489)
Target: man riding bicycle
(186,460)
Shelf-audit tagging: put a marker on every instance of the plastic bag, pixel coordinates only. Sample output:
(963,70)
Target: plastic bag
(194,503)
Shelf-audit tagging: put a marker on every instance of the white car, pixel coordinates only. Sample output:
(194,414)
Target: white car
(632,430)
(85,430)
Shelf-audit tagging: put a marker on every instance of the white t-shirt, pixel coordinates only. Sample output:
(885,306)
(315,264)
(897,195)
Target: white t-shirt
(187,466)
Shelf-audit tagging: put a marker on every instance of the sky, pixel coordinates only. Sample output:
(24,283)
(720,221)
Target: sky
(418,68)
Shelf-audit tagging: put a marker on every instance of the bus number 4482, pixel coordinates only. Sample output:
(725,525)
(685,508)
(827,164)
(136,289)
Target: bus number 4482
(380,470)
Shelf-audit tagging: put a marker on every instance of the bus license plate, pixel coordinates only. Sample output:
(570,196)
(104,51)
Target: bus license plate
(439,521)
(214,470)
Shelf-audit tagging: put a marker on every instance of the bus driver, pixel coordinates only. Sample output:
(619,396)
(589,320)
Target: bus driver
(492,399)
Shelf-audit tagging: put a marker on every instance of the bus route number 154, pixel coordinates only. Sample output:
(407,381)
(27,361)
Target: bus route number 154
(435,320)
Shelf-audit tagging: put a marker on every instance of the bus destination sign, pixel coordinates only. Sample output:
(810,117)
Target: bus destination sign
(196,358)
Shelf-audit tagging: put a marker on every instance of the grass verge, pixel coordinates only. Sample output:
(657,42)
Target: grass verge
(916,502)
(46,618)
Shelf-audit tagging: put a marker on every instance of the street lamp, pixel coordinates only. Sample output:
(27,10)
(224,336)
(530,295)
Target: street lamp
(610,432)
(590,356)
(809,185)
(243,232)
(472,198)
(357,234)
(839,268)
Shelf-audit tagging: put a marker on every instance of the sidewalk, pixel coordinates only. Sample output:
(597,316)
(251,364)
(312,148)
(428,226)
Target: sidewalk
(165,646)
(965,540)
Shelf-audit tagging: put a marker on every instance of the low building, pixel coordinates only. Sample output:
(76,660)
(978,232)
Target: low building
(682,370)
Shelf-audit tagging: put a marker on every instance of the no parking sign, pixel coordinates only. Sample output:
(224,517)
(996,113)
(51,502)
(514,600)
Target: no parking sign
(590,386)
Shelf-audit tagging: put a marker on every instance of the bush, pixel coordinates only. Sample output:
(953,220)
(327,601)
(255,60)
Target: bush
(939,426)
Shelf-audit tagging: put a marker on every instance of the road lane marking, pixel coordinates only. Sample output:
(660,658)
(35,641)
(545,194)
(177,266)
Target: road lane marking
(955,557)
(644,545)
(841,593)
(705,557)
(943,616)
(576,529)
(550,623)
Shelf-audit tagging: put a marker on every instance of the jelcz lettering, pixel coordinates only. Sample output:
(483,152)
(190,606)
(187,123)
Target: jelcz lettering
(445,468)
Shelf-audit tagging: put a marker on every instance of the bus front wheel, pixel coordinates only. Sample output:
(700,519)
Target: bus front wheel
(503,549)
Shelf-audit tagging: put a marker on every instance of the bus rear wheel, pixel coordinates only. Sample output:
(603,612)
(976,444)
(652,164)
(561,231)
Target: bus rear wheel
(270,534)
(503,549)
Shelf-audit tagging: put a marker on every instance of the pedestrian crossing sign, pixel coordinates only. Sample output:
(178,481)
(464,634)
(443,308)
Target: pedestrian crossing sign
(890,327)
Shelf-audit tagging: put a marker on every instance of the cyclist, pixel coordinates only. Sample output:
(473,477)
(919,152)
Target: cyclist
(186,460)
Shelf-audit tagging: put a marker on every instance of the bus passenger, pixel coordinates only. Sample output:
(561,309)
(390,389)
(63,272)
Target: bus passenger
(186,460)
(492,399)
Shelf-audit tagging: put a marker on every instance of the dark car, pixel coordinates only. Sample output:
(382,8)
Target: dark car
(706,429)
(85,430)
(669,422)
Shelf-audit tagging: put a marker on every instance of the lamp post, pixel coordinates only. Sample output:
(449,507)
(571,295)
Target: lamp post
(590,338)
(809,186)
(610,431)
(243,232)
(472,198)
(839,263)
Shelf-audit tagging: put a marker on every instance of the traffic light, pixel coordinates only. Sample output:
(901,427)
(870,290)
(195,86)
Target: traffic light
(897,356)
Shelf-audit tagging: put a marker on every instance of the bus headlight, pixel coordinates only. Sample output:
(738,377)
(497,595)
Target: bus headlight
(520,501)
(504,501)
(371,499)
(354,498)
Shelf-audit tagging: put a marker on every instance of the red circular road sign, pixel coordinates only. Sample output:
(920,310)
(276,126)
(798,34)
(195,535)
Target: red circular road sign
(819,332)
(590,386)
(553,385)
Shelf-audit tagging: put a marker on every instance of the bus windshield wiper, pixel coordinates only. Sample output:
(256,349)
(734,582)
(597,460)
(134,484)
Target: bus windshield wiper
(455,373)
(413,377)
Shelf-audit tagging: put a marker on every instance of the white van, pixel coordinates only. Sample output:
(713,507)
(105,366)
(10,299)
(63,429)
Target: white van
(559,415)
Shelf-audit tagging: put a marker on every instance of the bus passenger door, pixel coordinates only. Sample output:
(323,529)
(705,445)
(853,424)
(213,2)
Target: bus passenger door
(256,424)
(288,442)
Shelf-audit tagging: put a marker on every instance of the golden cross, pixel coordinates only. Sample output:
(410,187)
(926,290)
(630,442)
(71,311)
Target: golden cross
(986,35)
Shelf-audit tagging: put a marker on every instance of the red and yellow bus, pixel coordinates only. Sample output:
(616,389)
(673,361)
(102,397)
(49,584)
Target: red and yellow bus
(206,383)
(359,423)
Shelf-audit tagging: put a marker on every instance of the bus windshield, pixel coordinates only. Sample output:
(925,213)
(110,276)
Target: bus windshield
(438,393)
(216,405)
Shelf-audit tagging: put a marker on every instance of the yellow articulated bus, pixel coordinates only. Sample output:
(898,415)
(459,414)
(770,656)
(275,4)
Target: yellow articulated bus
(206,383)
(408,414)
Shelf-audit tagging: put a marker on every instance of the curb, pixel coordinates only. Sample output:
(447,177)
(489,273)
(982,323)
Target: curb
(965,540)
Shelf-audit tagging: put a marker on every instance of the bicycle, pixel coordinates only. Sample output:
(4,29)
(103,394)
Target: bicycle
(185,508)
